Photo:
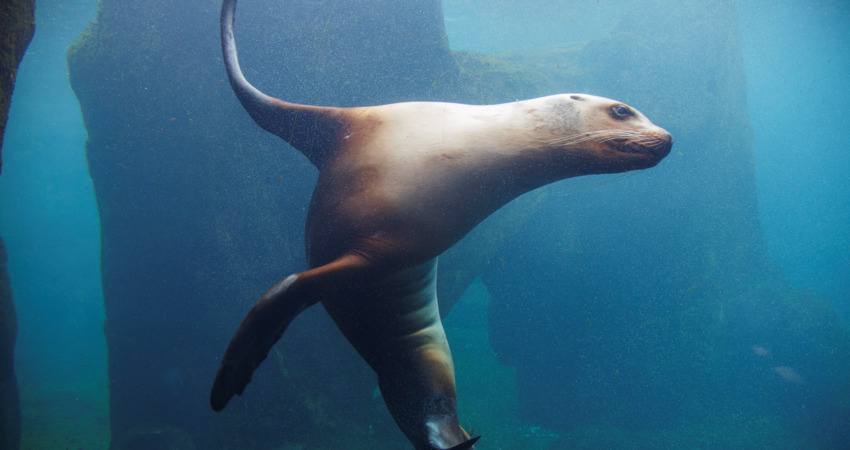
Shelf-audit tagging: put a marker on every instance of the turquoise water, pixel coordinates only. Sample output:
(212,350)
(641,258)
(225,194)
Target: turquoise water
(796,61)
(796,58)
(49,223)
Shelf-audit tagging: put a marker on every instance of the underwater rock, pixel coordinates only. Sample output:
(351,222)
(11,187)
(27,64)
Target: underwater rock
(17,22)
(10,409)
(199,209)
(17,25)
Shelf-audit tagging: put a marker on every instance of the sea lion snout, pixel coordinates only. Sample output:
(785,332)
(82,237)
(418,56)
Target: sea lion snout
(662,145)
(638,149)
(656,146)
(667,145)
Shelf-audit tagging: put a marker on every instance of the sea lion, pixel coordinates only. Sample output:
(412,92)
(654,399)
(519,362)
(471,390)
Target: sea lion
(399,184)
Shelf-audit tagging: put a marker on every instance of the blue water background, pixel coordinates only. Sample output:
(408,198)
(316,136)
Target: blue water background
(796,59)
(49,223)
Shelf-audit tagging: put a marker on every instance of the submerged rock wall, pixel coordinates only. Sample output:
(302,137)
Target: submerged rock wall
(17,22)
(17,18)
(201,210)
(10,408)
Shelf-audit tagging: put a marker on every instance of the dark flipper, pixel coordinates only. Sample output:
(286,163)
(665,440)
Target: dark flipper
(466,445)
(268,319)
(257,334)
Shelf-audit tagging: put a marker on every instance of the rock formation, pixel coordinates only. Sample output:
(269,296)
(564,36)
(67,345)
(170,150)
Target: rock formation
(17,22)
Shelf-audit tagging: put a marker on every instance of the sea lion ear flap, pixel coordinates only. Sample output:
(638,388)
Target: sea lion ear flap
(466,445)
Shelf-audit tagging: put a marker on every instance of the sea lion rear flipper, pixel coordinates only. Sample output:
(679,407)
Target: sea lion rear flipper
(466,445)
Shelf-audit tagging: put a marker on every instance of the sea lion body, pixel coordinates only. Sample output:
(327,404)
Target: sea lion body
(430,172)
(398,185)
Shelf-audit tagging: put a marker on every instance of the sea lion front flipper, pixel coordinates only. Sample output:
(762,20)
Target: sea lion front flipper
(261,328)
(265,323)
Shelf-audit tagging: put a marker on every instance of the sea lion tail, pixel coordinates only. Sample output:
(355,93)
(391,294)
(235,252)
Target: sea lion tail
(261,328)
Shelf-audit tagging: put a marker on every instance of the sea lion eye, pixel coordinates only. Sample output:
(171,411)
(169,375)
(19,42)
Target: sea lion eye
(621,111)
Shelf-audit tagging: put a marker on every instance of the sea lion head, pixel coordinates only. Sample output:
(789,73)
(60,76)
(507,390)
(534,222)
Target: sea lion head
(609,136)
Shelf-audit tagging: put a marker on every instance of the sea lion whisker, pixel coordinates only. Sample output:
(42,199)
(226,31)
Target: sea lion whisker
(570,138)
(577,138)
